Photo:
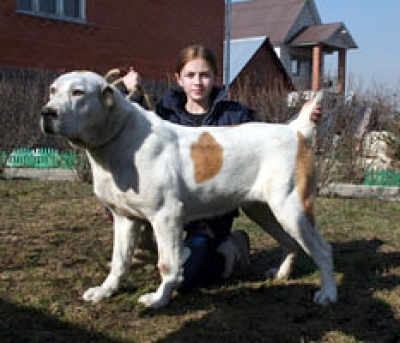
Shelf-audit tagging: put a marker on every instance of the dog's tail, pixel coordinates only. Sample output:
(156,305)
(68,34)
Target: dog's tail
(303,122)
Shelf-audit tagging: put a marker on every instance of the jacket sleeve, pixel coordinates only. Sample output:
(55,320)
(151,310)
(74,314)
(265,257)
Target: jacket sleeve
(248,115)
(239,114)
(140,96)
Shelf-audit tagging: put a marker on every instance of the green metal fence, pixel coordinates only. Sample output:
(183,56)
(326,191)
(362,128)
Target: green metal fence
(51,158)
(39,158)
(379,177)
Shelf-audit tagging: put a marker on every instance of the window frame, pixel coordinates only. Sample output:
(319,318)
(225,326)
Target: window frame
(59,12)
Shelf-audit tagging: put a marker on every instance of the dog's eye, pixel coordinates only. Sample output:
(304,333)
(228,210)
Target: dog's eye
(52,90)
(77,92)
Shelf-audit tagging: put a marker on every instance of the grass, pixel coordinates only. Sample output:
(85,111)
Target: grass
(56,242)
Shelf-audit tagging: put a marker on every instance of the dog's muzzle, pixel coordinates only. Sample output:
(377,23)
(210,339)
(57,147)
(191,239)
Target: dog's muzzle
(49,118)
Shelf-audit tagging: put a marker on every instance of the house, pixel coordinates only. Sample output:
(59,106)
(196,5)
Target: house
(39,39)
(299,37)
(255,65)
(62,35)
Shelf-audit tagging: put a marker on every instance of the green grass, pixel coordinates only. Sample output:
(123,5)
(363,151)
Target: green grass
(56,242)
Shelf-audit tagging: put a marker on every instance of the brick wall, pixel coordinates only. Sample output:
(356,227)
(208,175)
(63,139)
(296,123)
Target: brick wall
(147,34)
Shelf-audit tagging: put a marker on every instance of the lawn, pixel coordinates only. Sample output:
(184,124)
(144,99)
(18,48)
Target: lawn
(56,242)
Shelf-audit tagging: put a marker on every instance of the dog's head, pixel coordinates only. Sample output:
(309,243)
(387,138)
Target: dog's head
(79,109)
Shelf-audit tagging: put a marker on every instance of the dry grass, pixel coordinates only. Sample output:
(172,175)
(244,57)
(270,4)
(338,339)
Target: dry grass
(56,242)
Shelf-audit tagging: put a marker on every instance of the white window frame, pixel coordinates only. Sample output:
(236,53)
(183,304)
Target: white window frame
(60,14)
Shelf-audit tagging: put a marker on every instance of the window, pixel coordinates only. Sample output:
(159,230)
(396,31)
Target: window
(72,8)
(61,9)
(24,5)
(295,67)
(47,6)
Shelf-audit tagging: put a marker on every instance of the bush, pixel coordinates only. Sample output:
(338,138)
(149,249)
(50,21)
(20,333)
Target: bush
(23,93)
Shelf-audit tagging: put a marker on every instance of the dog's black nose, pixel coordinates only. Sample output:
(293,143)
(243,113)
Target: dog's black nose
(49,120)
(48,111)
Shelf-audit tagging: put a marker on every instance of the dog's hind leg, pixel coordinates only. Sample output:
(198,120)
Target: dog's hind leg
(300,226)
(124,235)
(168,232)
(261,214)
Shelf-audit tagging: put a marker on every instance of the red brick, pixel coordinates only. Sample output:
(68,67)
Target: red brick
(147,34)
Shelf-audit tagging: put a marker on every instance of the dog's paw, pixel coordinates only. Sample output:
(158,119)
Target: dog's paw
(95,294)
(277,274)
(152,300)
(325,297)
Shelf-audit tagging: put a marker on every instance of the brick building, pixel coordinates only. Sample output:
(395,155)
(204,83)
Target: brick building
(63,35)
(40,38)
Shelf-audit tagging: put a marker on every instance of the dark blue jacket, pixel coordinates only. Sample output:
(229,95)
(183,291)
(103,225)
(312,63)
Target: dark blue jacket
(222,112)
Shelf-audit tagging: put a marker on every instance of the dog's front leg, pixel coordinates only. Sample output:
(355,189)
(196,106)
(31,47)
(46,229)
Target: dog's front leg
(168,231)
(121,260)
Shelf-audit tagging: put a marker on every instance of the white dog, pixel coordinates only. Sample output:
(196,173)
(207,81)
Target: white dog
(145,168)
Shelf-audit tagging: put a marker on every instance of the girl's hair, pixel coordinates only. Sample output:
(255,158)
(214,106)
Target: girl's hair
(193,52)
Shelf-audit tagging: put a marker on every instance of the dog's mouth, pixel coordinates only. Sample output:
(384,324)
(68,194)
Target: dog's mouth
(49,120)
(50,124)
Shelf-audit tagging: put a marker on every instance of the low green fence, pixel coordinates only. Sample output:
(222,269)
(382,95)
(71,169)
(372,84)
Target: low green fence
(379,177)
(38,158)
(51,158)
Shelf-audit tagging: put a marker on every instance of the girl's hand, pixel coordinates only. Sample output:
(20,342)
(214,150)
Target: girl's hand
(132,79)
(316,114)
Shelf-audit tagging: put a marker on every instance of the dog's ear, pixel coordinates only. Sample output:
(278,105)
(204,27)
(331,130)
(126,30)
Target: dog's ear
(107,95)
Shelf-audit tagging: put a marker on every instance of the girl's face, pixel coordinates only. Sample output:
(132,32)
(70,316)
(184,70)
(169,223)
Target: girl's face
(197,80)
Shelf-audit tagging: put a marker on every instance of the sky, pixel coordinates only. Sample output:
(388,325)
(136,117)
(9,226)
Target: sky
(375,27)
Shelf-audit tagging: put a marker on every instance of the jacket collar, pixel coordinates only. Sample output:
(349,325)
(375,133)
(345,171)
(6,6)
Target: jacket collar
(175,99)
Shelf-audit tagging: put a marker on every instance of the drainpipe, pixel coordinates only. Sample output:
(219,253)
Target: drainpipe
(227,44)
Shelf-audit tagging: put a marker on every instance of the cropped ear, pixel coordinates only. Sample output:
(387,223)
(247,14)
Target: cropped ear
(107,95)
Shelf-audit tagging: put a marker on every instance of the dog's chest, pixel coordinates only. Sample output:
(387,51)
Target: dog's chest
(121,202)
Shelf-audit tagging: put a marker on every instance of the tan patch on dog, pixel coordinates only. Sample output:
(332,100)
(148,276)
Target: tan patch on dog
(207,156)
(305,176)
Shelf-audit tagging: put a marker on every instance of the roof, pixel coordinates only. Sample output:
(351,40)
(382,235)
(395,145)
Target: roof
(274,18)
(333,35)
(241,52)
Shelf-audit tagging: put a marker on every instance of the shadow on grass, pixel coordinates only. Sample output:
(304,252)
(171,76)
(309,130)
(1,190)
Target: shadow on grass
(24,324)
(250,310)
(285,313)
